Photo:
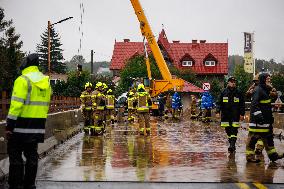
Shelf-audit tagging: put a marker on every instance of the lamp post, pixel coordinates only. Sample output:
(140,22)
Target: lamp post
(48,40)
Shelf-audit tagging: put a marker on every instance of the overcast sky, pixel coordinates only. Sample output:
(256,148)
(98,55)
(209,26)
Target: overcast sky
(184,20)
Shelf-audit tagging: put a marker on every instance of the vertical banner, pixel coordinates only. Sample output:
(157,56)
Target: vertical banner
(248,53)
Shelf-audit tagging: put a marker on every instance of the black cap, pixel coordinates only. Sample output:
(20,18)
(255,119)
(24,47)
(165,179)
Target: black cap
(30,60)
(232,79)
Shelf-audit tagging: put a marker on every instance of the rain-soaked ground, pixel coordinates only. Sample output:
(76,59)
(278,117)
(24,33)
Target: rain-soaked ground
(185,151)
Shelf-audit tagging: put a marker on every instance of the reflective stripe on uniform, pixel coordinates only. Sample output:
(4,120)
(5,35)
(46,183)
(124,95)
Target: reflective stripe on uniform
(265,101)
(273,150)
(258,130)
(225,99)
(225,124)
(249,152)
(12,117)
(256,113)
(236,124)
(236,99)
(233,136)
(18,99)
(259,125)
(100,107)
(27,101)
(26,130)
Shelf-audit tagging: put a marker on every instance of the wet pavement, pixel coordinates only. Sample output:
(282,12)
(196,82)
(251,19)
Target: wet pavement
(185,151)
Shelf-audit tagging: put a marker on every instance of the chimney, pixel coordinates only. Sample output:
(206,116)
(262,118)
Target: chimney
(126,40)
(202,41)
(194,41)
(174,41)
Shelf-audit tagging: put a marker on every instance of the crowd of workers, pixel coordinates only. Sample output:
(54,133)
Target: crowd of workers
(31,97)
(98,109)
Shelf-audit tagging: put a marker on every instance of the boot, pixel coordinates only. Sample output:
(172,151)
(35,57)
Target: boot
(232,147)
(275,156)
(251,158)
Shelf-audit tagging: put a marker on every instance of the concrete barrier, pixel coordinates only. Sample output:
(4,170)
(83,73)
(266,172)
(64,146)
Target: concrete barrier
(59,127)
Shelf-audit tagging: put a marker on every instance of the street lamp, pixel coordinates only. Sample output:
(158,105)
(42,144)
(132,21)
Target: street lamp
(48,40)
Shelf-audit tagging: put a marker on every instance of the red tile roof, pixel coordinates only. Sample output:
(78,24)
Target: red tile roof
(176,51)
(189,87)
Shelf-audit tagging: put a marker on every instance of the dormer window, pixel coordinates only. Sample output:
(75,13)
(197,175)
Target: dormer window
(187,63)
(210,63)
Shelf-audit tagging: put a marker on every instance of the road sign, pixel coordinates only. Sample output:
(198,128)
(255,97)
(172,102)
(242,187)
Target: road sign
(206,86)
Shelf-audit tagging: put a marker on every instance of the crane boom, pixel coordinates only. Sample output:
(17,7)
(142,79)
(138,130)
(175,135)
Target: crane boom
(148,34)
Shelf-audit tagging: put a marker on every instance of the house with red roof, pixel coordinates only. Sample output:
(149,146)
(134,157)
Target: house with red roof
(205,59)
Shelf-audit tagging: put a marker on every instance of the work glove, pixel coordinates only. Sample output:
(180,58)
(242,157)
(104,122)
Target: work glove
(11,124)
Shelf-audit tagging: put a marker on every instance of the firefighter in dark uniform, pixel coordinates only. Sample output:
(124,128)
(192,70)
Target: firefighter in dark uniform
(110,99)
(231,105)
(143,102)
(261,120)
(26,123)
(86,104)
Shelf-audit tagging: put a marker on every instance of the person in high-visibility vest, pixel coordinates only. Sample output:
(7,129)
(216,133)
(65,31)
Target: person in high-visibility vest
(144,103)
(130,107)
(231,105)
(261,120)
(99,102)
(110,100)
(26,122)
(86,104)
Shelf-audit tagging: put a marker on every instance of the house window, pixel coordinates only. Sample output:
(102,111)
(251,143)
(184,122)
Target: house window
(210,63)
(187,63)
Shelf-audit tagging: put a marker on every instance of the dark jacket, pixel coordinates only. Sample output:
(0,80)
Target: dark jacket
(231,104)
(261,110)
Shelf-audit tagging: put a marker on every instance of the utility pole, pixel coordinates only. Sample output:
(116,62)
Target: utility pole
(48,40)
(92,63)
(48,47)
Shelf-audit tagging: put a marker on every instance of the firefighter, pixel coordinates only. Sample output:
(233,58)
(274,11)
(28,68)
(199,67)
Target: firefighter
(176,106)
(99,102)
(130,106)
(261,120)
(161,108)
(110,99)
(26,122)
(273,94)
(86,104)
(206,106)
(193,107)
(143,102)
(231,105)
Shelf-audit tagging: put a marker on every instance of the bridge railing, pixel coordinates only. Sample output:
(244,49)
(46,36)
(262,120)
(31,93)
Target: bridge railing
(57,104)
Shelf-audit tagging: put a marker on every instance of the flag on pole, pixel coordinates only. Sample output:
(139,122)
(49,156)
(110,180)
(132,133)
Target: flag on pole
(248,53)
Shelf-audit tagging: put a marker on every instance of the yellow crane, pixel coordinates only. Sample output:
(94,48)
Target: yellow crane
(167,83)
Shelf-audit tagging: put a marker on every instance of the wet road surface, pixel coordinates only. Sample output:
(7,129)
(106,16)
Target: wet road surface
(175,152)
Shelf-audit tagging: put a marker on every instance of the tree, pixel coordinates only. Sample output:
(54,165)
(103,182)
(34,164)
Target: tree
(136,68)
(56,57)
(243,78)
(74,85)
(278,82)
(10,52)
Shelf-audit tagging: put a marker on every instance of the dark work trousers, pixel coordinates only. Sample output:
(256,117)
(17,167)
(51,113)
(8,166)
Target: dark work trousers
(22,175)
(231,131)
